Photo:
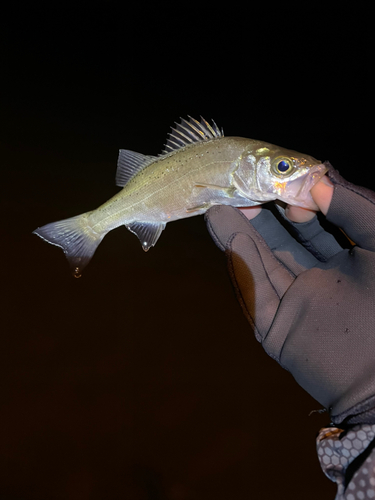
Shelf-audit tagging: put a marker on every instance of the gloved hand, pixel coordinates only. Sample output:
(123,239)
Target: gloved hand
(310,302)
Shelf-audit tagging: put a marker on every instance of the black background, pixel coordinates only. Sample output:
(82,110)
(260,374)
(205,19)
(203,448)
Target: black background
(142,380)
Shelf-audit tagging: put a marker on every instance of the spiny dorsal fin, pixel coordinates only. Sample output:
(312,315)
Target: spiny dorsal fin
(129,164)
(188,132)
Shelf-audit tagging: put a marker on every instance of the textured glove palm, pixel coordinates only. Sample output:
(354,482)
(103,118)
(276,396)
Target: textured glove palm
(311,305)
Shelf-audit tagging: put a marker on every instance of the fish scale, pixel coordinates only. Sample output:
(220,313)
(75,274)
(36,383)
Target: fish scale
(198,168)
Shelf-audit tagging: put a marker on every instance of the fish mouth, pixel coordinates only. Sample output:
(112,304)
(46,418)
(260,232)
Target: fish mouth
(298,193)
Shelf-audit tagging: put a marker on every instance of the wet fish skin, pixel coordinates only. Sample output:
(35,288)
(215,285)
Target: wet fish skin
(199,168)
(172,184)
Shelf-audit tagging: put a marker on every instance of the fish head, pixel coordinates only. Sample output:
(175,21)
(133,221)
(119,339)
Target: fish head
(269,173)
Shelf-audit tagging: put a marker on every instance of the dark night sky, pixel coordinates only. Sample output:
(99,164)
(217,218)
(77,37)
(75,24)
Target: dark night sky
(142,380)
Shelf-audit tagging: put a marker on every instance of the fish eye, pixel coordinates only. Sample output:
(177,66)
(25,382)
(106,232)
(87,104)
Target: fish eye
(282,166)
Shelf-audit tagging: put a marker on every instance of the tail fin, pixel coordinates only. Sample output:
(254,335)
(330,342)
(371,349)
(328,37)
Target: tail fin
(76,237)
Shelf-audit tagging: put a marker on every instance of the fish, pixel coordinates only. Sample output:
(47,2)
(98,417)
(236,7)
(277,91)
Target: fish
(198,168)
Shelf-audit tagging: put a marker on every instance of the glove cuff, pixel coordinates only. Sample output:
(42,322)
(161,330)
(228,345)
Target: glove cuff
(362,413)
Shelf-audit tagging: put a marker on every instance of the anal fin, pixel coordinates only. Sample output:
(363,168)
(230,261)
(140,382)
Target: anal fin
(148,232)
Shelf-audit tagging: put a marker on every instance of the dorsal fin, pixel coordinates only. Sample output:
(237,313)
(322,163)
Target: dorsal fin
(129,164)
(188,132)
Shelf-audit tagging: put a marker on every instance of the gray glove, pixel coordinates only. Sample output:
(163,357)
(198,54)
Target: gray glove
(310,302)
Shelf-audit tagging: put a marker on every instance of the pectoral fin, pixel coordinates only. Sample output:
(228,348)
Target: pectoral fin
(148,232)
(206,195)
(204,206)
(228,191)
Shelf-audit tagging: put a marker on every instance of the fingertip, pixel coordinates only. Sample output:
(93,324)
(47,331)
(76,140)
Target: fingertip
(251,212)
(299,214)
(322,194)
(223,221)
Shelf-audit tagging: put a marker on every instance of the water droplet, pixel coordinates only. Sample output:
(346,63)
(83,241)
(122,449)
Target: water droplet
(77,273)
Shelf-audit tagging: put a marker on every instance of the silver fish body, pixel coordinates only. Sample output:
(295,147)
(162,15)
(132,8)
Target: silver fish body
(198,169)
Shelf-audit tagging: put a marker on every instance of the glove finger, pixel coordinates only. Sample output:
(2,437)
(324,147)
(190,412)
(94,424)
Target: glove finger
(291,253)
(223,221)
(312,236)
(259,279)
(353,209)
